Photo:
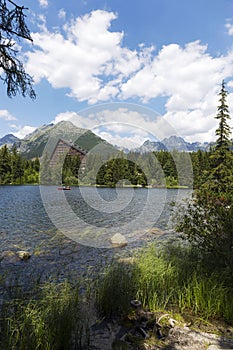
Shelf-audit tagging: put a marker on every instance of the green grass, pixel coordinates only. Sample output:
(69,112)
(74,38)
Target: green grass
(170,278)
(114,288)
(167,278)
(54,320)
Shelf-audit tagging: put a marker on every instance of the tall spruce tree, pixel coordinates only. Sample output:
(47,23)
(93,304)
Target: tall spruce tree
(207,221)
(220,179)
(223,132)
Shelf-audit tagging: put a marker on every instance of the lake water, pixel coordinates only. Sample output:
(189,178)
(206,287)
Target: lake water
(29,212)
(68,232)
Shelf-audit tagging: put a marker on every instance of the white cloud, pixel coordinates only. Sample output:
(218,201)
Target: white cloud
(91,61)
(131,141)
(88,59)
(5,114)
(229,27)
(23,131)
(62,14)
(127,125)
(75,118)
(43,3)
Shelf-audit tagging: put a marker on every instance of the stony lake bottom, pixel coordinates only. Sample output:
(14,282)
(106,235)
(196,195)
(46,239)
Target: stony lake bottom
(67,232)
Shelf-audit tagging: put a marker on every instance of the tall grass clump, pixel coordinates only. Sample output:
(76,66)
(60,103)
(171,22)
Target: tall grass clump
(156,279)
(115,287)
(205,296)
(169,278)
(53,321)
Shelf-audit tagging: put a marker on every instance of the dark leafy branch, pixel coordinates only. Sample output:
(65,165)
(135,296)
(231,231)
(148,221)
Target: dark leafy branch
(13,28)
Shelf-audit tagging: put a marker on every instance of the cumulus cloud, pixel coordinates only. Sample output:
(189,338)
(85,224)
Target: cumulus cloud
(125,125)
(229,27)
(90,59)
(23,131)
(5,114)
(43,3)
(62,14)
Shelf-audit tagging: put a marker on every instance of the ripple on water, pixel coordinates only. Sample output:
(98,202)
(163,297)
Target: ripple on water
(25,223)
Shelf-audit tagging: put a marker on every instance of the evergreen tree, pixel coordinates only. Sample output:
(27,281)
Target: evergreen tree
(5,165)
(221,178)
(16,167)
(208,219)
(223,132)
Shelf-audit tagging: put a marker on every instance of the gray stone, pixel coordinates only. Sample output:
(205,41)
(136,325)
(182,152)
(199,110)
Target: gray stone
(118,240)
(23,255)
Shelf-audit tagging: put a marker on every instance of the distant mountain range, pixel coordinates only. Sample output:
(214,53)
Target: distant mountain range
(172,143)
(33,144)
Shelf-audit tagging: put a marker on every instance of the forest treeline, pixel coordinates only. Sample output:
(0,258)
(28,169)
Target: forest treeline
(16,170)
(156,169)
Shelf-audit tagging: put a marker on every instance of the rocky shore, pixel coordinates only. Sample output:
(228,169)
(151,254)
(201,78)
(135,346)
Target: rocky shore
(58,258)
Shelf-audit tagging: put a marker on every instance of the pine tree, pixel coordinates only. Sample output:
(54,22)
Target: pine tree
(208,220)
(5,165)
(16,167)
(223,132)
(220,179)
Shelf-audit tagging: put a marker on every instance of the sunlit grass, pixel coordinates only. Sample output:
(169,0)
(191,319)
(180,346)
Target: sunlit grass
(168,278)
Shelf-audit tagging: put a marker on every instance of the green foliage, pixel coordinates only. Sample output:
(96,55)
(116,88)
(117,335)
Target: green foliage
(223,131)
(207,220)
(173,277)
(156,279)
(16,170)
(70,170)
(114,289)
(120,170)
(52,321)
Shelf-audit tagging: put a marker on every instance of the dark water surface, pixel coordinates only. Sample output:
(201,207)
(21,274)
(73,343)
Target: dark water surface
(26,225)
(23,213)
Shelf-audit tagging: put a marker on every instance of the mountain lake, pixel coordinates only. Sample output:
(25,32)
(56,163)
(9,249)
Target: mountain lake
(68,233)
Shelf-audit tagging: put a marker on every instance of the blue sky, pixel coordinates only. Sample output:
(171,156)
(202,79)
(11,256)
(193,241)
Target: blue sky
(112,66)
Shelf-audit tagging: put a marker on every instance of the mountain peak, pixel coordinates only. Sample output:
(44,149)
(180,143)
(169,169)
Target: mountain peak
(8,139)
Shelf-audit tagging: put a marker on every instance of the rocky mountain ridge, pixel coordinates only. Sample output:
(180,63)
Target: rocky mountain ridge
(32,145)
(172,143)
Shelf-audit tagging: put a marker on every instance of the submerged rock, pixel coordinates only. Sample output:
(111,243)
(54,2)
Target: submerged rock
(8,257)
(23,255)
(118,240)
